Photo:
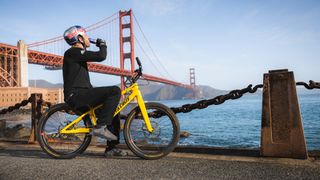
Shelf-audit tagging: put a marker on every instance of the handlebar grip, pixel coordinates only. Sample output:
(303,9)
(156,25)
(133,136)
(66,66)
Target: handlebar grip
(138,61)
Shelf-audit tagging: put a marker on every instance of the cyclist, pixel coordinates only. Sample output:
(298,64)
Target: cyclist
(80,94)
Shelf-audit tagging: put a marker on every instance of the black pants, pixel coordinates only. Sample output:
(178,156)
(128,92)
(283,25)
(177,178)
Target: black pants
(109,96)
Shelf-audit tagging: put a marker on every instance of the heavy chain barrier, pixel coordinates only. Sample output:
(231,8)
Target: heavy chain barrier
(235,94)
(24,103)
(311,85)
(16,106)
(45,103)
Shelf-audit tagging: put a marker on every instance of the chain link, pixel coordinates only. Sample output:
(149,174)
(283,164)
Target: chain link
(311,85)
(24,103)
(234,94)
(45,103)
(16,106)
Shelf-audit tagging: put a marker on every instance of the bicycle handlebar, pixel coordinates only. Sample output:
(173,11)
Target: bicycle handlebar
(139,62)
(137,71)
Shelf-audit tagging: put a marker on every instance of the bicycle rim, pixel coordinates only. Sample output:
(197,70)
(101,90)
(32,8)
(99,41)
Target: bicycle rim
(62,145)
(157,144)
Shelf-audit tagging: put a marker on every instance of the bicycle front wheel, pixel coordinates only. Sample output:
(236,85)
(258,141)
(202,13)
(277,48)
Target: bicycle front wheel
(55,144)
(161,141)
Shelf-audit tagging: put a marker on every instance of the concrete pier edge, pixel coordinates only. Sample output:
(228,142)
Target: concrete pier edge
(209,150)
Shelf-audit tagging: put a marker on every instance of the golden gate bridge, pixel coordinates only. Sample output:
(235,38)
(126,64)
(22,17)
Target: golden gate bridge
(116,29)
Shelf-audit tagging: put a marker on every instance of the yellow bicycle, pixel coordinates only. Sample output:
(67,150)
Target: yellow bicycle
(151,130)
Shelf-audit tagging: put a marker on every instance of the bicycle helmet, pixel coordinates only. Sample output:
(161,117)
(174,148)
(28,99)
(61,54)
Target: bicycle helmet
(72,33)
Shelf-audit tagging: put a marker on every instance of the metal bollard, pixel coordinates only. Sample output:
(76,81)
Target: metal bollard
(36,107)
(282,132)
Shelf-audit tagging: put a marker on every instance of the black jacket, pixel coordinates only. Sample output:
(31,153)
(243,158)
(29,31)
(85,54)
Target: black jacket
(75,67)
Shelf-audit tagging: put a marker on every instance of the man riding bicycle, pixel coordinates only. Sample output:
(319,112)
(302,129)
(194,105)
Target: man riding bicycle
(80,94)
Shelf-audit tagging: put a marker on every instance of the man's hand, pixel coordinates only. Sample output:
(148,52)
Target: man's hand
(100,42)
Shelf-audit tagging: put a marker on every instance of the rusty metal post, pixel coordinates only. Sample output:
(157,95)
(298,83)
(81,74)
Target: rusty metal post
(36,107)
(282,132)
(3,125)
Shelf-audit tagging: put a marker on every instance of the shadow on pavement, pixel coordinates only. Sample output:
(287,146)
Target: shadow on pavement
(23,153)
(39,154)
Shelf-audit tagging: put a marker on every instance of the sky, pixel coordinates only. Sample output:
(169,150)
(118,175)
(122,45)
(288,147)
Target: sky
(230,43)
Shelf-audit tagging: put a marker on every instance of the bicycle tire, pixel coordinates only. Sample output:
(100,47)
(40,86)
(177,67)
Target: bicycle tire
(43,140)
(155,147)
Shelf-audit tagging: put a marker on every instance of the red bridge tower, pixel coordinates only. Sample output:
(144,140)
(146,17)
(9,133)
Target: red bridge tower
(193,81)
(124,40)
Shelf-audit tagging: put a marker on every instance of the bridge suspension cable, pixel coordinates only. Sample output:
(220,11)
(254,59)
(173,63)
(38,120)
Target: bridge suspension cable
(89,28)
(146,54)
(102,22)
(153,52)
(148,57)
(57,45)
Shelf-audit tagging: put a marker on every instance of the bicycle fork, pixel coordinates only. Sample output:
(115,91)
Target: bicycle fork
(144,112)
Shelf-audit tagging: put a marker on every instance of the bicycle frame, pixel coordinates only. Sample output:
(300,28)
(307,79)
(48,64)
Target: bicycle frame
(135,93)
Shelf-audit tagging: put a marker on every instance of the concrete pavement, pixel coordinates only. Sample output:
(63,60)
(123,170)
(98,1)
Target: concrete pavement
(20,161)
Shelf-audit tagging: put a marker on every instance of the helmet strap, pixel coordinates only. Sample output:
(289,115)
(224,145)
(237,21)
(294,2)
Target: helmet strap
(84,47)
(83,43)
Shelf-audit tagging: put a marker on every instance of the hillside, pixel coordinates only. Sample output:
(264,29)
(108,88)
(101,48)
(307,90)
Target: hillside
(152,90)
(44,84)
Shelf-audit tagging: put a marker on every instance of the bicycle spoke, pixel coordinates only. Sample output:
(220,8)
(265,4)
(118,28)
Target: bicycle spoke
(62,143)
(157,143)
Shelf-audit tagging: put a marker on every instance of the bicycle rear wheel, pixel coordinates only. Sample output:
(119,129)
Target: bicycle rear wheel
(61,146)
(161,141)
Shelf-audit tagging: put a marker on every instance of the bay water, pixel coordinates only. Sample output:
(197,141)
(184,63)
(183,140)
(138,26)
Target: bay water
(237,123)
